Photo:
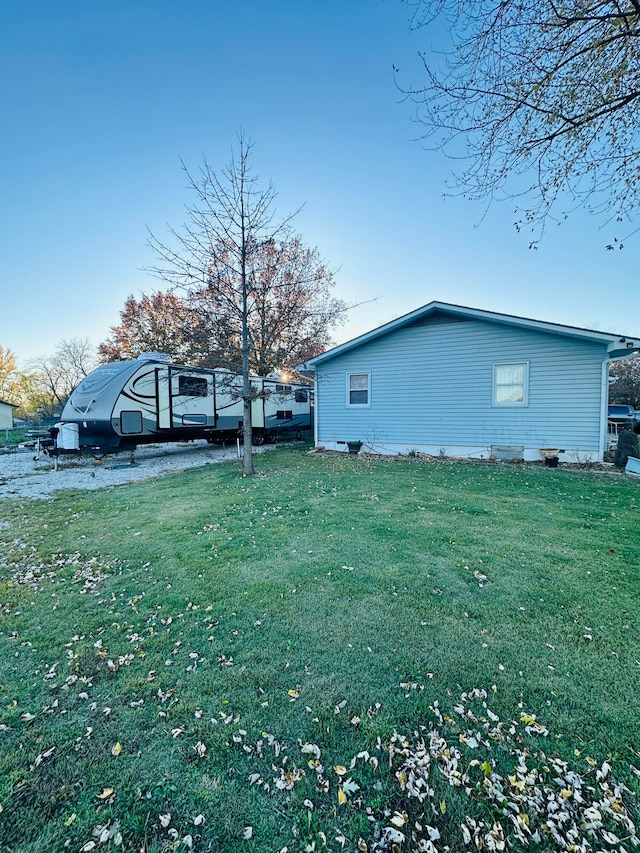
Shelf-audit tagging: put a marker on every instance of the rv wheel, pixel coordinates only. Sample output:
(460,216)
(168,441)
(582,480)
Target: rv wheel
(258,438)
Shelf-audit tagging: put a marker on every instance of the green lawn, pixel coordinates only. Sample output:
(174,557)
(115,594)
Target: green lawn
(187,661)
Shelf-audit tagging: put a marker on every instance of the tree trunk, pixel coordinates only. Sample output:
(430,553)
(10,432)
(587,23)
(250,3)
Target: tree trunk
(247,449)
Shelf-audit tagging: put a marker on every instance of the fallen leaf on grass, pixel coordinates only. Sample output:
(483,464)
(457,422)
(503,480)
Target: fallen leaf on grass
(248,833)
(116,749)
(107,795)
(42,757)
(350,787)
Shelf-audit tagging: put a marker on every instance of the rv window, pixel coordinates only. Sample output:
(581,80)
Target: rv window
(301,396)
(192,386)
(131,423)
(283,389)
(283,415)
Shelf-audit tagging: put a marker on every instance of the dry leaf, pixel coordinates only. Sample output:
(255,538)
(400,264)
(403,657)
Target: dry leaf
(350,787)
(116,749)
(106,793)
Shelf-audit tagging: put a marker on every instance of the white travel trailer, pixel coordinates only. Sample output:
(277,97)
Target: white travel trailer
(150,400)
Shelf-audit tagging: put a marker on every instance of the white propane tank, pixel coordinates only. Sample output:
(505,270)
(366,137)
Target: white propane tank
(68,436)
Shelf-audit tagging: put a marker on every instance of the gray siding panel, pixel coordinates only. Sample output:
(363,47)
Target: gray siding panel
(432,384)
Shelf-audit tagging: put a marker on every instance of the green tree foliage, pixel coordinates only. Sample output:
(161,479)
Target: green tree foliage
(626,388)
(547,89)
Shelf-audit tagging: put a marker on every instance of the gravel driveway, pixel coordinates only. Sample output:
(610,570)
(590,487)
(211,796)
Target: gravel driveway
(25,474)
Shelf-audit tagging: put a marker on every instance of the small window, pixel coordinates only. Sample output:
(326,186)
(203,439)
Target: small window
(284,415)
(192,386)
(283,389)
(131,423)
(511,384)
(301,396)
(358,389)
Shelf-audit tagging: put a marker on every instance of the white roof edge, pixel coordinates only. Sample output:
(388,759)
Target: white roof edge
(524,322)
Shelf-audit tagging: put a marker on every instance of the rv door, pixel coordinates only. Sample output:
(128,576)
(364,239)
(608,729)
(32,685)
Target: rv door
(192,398)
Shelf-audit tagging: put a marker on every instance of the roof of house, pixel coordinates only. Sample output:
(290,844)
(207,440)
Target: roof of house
(6,403)
(617,345)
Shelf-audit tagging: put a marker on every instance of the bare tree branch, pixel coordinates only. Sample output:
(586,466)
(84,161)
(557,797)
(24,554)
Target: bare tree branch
(542,88)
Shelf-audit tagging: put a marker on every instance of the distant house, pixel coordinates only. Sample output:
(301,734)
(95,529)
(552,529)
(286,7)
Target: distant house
(6,415)
(456,381)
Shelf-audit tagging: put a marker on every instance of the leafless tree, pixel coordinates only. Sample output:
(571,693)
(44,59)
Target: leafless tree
(537,98)
(54,377)
(242,271)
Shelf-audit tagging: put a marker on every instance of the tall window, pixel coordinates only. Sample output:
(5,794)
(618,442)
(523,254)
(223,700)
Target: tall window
(358,389)
(511,384)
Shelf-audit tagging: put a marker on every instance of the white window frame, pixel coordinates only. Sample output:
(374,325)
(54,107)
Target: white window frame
(508,404)
(351,405)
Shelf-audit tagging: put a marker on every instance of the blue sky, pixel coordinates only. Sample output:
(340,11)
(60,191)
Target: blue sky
(100,102)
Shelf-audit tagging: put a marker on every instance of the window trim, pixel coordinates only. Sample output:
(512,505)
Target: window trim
(508,404)
(351,405)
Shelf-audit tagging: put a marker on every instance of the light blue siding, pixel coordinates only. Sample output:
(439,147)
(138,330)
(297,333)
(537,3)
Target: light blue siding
(432,383)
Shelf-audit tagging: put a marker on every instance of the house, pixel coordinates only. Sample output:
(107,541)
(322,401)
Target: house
(6,415)
(456,381)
